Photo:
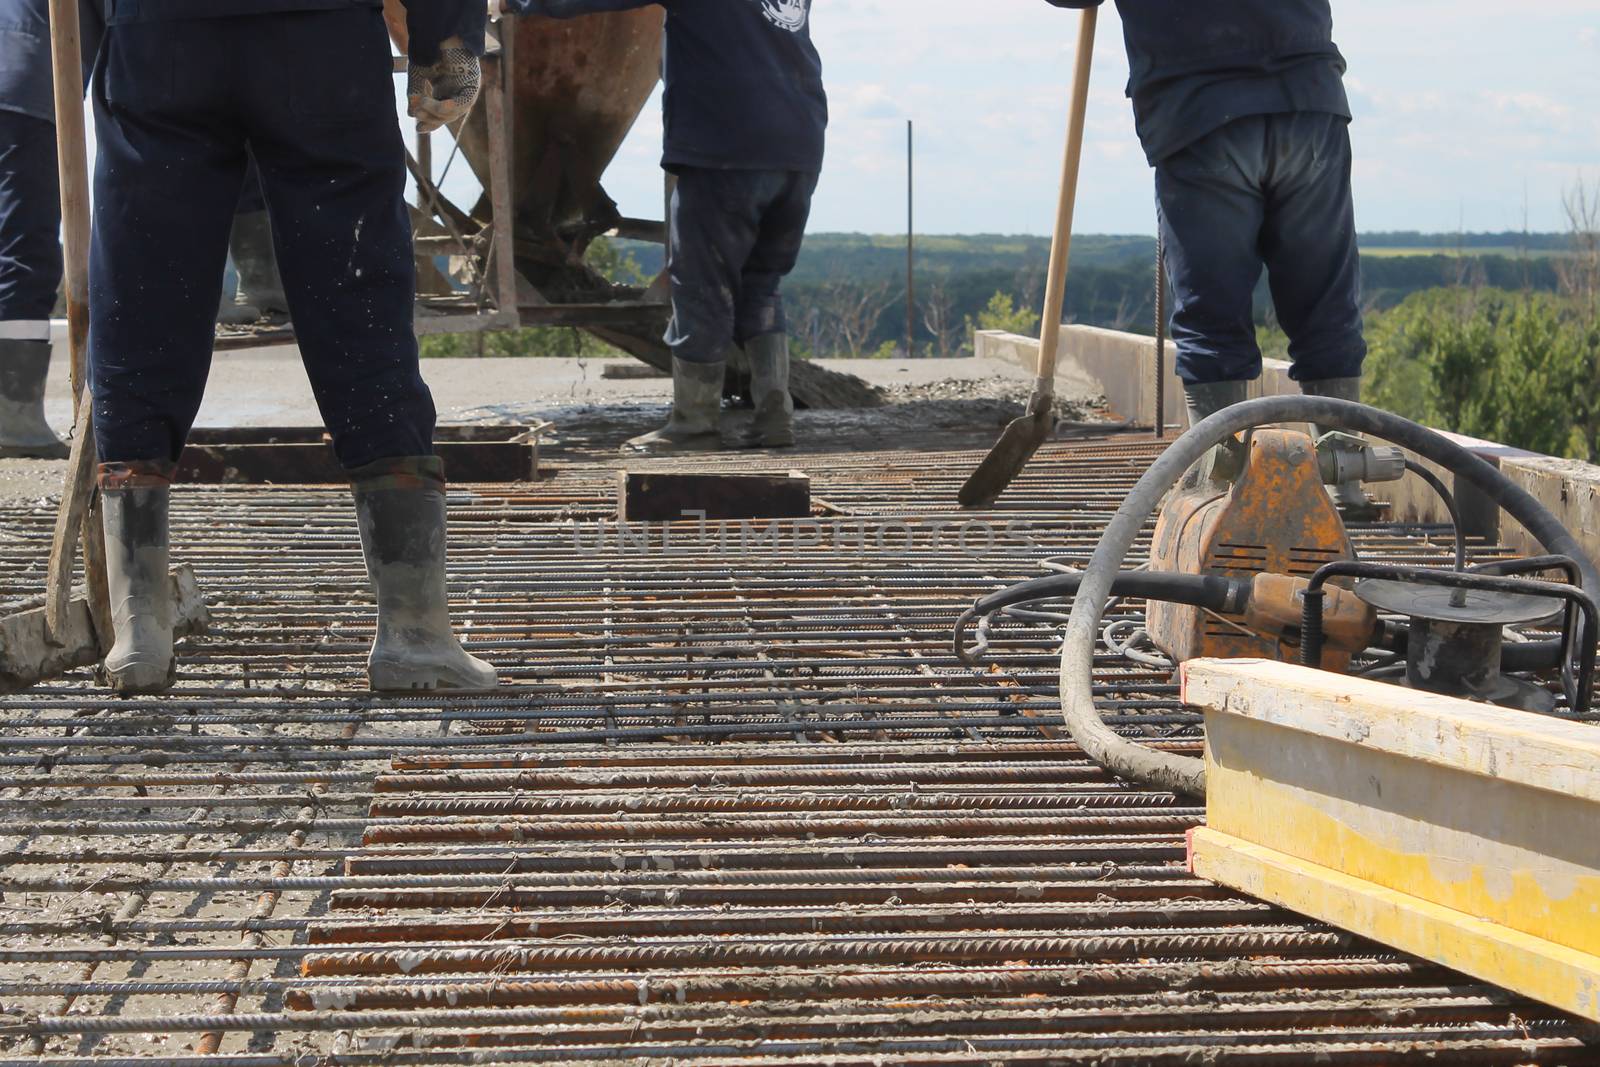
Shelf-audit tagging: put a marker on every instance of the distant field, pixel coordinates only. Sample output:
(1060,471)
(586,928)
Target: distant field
(1509,251)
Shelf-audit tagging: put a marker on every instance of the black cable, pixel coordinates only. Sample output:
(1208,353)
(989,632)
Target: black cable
(1226,595)
(1437,485)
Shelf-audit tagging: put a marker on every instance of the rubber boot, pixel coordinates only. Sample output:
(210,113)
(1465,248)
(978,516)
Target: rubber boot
(1351,501)
(1225,462)
(133,504)
(400,510)
(23,432)
(260,297)
(772,426)
(696,407)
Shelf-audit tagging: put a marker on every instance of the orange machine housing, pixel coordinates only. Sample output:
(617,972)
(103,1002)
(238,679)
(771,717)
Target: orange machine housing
(1276,518)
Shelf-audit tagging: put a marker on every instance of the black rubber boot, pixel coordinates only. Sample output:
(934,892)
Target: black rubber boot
(400,509)
(1352,502)
(24,434)
(772,426)
(133,502)
(696,408)
(1226,461)
(260,297)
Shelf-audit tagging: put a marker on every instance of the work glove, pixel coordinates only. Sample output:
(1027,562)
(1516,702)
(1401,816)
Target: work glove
(443,91)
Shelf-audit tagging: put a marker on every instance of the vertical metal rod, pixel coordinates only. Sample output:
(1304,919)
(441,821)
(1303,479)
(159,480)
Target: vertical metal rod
(911,241)
(1161,334)
(505,270)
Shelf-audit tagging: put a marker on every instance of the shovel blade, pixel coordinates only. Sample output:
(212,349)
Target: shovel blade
(1021,439)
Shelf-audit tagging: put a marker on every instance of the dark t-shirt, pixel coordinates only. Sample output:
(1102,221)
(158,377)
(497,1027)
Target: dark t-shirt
(1195,65)
(743,81)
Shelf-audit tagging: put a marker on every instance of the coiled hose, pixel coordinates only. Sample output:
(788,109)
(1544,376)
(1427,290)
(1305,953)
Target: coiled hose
(1185,774)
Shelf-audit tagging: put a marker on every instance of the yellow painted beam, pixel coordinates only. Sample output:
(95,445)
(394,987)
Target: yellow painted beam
(1532,966)
(1488,816)
(1501,743)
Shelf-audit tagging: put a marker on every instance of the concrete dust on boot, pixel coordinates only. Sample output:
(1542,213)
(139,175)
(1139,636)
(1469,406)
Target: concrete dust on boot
(696,408)
(24,433)
(400,509)
(134,501)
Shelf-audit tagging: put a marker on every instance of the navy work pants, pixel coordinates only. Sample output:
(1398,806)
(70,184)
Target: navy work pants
(735,235)
(30,227)
(179,107)
(1267,191)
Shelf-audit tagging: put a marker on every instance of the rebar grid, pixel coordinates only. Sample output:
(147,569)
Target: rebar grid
(738,802)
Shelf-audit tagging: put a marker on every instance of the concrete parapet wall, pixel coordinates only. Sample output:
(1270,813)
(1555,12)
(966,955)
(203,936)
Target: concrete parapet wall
(1122,367)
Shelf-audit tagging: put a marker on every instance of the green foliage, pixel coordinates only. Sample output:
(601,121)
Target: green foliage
(1519,368)
(1002,313)
(1272,341)
(616,261)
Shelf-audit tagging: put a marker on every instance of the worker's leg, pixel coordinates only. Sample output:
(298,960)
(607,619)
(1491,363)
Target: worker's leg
(167,177)
(1210,208)
(30,274)
(1313,268)
(333,169)
(714,226)
(760,326)
(1308,240)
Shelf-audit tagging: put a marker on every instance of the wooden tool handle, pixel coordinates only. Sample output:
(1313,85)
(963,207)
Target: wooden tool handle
(72,152)
(1055,288)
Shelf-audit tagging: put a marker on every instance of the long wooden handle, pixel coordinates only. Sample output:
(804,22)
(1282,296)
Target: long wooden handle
(72,154)
(1055,287)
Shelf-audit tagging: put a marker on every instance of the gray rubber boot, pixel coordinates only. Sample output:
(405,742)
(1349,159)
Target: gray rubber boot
(24,434)
(260,297)
(772,426)
(1208,398)
(400,509)
(1352,502)
(696,407)
(133,503)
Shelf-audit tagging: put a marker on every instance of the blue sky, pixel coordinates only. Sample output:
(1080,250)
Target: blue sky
(1465,111)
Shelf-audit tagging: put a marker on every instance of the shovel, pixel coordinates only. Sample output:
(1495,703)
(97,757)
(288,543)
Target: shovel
(1024,435)
(78,515)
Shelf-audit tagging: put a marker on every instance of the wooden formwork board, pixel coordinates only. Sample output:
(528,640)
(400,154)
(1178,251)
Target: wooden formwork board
(1460,832)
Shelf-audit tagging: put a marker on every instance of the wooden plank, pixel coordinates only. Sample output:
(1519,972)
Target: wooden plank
(1486,814)
(1513,746)
(671,496)
(313,463)
(30,653)
(272,435)
(1534,967)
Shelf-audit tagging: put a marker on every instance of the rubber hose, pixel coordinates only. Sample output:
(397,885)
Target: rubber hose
(1201,590)
(1186,774)
(1448,498)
